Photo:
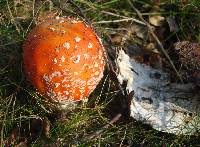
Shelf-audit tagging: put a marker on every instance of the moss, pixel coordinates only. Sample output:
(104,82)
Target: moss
(20,105)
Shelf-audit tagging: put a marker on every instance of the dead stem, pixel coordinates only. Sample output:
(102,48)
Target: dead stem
(3,122)
(98,132)
(12,17)
(118,20)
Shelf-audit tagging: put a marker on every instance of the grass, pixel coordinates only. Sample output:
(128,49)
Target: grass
(22,110)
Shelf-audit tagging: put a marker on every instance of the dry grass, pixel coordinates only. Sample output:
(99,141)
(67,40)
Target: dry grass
(22,110)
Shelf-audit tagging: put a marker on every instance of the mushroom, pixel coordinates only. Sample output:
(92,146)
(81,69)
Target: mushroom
(64,59)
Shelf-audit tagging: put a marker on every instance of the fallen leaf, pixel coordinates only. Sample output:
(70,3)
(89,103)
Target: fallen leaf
(151,47)
(140,31)
(156,20)
(22,144)
(116,38)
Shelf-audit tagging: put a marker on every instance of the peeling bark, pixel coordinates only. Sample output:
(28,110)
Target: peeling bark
(168,107)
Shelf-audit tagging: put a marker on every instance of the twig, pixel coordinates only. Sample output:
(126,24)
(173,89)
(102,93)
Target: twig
(34,17)
(82,15)
(116,15)
(118,20)
(113,29)
(112,70)
(121,143)
(33,7)
(12,17)
(111,122)
(4,120)
(156,38)
(115,74)
(79,9)
(98,98)
(113,14)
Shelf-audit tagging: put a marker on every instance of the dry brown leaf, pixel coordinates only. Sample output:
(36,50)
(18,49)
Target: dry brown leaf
(140,31)
(152,47)
(156,20)
(116,38)
(22,144)
(146,54)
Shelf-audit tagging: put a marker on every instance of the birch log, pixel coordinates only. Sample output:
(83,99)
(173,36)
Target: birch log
(168,107)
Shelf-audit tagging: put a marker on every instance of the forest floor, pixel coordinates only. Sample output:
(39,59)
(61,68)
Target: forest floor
(26,119)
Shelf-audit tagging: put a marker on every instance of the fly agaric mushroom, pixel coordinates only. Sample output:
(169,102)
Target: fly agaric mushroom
(64,59)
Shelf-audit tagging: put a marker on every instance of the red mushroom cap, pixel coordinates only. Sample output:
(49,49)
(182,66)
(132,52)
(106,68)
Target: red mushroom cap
(64,59)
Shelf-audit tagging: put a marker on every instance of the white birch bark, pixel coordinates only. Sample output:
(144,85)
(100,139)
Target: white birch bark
(168,107)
